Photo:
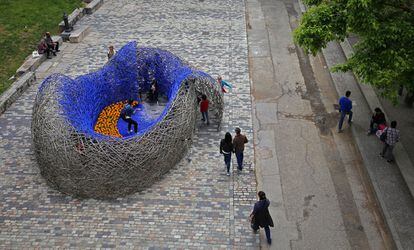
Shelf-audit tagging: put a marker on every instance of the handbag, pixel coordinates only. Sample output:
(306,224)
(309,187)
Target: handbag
(383,136)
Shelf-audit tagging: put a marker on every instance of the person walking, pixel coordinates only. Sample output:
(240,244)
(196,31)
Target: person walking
(345,107)
(238,142)
(126,114)
(392,136)
(226,148)
(377,119)
(204,108)
(260,216)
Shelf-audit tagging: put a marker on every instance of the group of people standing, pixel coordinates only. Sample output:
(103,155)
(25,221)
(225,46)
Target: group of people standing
(389,135)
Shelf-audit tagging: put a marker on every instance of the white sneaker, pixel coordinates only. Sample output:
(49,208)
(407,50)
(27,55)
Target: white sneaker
(228,174)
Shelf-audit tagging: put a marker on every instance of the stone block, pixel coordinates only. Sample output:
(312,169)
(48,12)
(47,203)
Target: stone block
(77,35)
(93,6)
(65,36)
(57,39)
(72,18)
(16,90)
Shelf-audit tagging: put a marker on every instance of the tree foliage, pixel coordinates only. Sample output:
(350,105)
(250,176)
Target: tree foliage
(384,54)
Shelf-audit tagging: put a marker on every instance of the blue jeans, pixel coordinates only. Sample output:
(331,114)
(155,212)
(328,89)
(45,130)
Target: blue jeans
(239,156)
(341,120)
(205,116)
(267,231)
(227,160)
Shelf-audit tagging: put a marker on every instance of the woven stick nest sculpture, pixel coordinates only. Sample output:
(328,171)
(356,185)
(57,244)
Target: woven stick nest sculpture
(76,159)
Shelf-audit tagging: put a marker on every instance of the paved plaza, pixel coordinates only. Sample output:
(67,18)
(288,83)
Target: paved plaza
(327,190)
(195,205)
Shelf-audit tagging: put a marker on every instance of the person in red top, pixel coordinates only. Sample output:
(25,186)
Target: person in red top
(204,108)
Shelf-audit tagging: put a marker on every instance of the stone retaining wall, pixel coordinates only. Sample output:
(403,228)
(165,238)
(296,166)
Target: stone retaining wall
(93,6)
(16,90)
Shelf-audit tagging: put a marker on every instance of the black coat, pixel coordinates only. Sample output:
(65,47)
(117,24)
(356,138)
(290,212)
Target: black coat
(226,147)
(261,215)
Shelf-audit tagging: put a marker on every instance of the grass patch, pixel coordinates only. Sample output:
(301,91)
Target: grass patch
(22,25)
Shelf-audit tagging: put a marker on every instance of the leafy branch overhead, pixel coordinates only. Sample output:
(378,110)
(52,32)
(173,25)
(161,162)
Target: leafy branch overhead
(384,55)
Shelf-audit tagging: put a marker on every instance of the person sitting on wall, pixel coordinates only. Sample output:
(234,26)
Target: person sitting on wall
(42,47)
(377,119)
(51,45)
(126,115)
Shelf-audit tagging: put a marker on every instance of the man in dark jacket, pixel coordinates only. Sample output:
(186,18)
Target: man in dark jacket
(260,217)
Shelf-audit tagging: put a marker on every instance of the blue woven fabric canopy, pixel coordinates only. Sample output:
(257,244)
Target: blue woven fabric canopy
(128,73)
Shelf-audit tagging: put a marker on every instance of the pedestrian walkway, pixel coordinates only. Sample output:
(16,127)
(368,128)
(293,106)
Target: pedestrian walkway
(195,205)
(391,190)
(320,197)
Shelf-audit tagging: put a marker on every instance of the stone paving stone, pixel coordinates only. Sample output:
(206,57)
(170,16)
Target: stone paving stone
(195,205)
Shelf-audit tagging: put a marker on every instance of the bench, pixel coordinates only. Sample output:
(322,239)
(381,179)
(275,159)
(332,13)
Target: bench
(78,34)
(93,6)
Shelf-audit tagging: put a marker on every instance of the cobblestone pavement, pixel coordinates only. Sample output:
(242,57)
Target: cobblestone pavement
(195,205)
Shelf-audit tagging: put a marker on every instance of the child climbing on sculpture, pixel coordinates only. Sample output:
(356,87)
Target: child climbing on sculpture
(126,115)
(223,84)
